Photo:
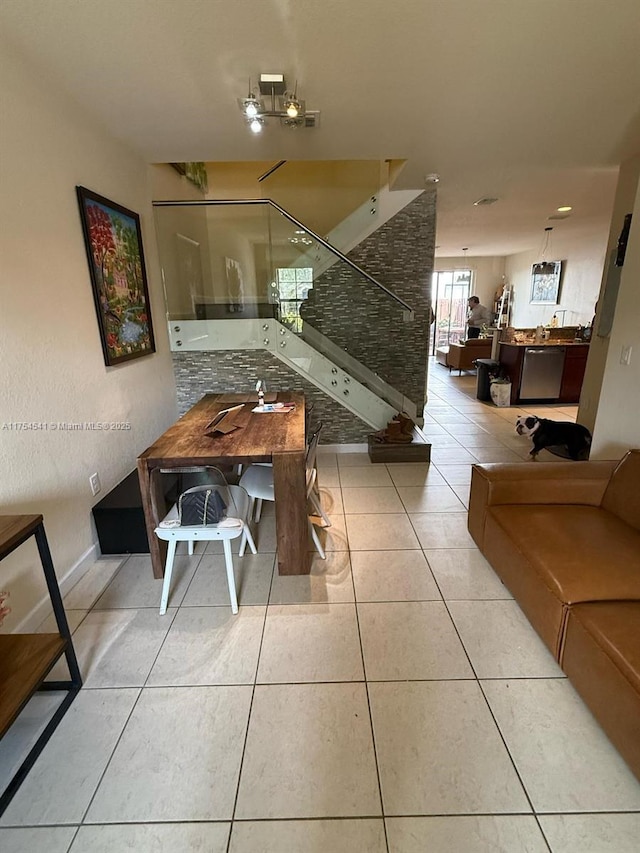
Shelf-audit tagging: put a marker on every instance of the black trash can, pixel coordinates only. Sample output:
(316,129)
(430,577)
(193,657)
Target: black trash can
(485,367)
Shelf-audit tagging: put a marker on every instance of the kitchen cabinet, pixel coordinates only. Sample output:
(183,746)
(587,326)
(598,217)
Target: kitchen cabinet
(569,375)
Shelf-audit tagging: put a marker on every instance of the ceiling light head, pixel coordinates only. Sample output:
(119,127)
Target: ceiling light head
(482,202)
(280,104)
(432,178)
(255,124)
(564,209)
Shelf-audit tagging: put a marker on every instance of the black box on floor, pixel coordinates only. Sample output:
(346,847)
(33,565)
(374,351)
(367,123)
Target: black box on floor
(119,516)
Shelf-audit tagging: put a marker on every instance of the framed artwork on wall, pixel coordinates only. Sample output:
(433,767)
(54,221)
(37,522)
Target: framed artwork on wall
(545,283)
(113,242)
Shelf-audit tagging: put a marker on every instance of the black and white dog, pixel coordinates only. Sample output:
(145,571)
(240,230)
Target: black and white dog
(545,433)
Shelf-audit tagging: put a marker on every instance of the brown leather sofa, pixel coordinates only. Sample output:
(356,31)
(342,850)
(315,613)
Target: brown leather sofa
(462,355)
(565,539)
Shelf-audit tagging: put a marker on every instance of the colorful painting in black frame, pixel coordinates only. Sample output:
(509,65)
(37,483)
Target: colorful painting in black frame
(113,242)
(545,282)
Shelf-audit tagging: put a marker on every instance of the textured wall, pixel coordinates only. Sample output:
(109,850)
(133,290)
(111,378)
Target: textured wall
(368,324)
(400,256)
(199,373)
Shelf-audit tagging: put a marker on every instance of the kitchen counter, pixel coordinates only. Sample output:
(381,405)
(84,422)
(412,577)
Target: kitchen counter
(553,379)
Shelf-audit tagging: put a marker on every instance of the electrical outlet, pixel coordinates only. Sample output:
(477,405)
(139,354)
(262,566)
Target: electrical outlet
(625,355)
(94,482)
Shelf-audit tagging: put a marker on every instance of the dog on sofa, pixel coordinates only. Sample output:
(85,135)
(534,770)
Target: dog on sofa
(574,438)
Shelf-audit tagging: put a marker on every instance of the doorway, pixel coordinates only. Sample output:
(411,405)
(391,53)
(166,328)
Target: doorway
(450,291)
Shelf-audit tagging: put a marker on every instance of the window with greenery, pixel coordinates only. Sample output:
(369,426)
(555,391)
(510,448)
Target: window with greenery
(293,284)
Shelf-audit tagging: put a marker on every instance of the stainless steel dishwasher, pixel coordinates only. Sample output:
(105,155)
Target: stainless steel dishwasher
(542,373)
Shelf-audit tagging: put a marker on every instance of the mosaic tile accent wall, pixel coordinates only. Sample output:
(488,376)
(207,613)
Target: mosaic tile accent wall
(199,373)
(400,256)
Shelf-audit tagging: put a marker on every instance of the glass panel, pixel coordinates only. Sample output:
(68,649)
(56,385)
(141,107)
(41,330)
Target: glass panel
(451,289)
(245,260)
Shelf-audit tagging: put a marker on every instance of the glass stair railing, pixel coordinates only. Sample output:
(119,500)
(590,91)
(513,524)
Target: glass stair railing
(250,259)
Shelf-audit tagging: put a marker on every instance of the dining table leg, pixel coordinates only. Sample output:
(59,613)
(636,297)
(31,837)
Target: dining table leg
(292,520)
(153,503)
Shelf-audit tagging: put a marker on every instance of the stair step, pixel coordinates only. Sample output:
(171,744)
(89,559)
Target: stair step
(418,451)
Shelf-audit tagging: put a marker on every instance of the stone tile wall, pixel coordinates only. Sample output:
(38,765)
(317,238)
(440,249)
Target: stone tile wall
(199,373)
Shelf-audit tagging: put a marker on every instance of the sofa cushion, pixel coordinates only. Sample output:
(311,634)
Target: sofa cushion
(622,497)
(601,656)
(582,553)
(615,627)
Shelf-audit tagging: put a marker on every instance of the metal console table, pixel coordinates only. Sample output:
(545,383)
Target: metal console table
(26,659)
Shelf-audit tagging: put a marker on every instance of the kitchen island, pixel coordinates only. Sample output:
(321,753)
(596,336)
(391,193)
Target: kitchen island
(550,372)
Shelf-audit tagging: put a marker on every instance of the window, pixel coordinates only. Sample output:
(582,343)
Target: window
(293,285)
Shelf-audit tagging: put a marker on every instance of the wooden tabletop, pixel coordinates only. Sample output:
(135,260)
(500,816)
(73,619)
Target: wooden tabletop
(260,434)
(14,529)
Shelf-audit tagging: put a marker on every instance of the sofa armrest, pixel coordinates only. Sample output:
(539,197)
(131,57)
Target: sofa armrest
(534,483)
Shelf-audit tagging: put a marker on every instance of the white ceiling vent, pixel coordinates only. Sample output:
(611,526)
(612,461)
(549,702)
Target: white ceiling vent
(484,201)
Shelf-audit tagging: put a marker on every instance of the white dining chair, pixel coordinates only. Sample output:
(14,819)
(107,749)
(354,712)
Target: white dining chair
(234,525)
(258,482)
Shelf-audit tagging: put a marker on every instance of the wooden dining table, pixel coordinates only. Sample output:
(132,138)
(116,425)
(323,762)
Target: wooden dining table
(275,437)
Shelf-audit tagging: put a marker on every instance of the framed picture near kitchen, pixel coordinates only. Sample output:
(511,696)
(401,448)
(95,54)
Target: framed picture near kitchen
(113,242)
(545,282)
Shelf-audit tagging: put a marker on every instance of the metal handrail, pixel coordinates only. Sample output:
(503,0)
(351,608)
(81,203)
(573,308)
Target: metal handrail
(321,240)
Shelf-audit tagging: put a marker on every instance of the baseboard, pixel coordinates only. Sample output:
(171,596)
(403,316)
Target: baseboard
(342,448)
(39,613)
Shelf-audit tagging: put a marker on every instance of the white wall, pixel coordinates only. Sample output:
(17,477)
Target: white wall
(582,262)
(50,354)
(617,422)
(487,275)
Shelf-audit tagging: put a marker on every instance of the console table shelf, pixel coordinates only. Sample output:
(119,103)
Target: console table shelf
(26,659)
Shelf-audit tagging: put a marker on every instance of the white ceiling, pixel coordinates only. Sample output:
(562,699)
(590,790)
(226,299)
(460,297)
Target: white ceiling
(535,102)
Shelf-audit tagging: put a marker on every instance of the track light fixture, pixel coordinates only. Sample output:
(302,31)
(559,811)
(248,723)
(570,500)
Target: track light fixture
(281,104)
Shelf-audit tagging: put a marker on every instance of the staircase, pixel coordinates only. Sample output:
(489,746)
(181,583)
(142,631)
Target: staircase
(246,275)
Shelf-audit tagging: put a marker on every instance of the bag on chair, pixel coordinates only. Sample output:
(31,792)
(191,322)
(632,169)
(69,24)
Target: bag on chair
(200,506)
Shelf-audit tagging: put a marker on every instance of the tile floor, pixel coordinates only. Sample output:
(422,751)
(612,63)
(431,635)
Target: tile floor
(395,700)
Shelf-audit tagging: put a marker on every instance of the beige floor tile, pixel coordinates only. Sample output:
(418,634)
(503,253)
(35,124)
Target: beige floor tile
(405,474)
(465,574)
(135,586)
(63,780)
(380,532)
(368,500)
(310,642)
(495,454)
(117,648)
(353,460)
(447,456)
(481,439)
(156,837)
(375,476)
(483,626)
(91,585)
(410,640)
(467,834)
(52,839)
(444,440)
(466,430)
(253,574)
(463,493)
(194,736)
(331,500)
(429,499)
(210,645)
(556,744)
(455,475)
(439,751)
(309,753)
(328,476)
(442,530)
(328,581)
(332,538)
(74,620)
(392,576)
(309,836)
(592,833)
(433,429)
